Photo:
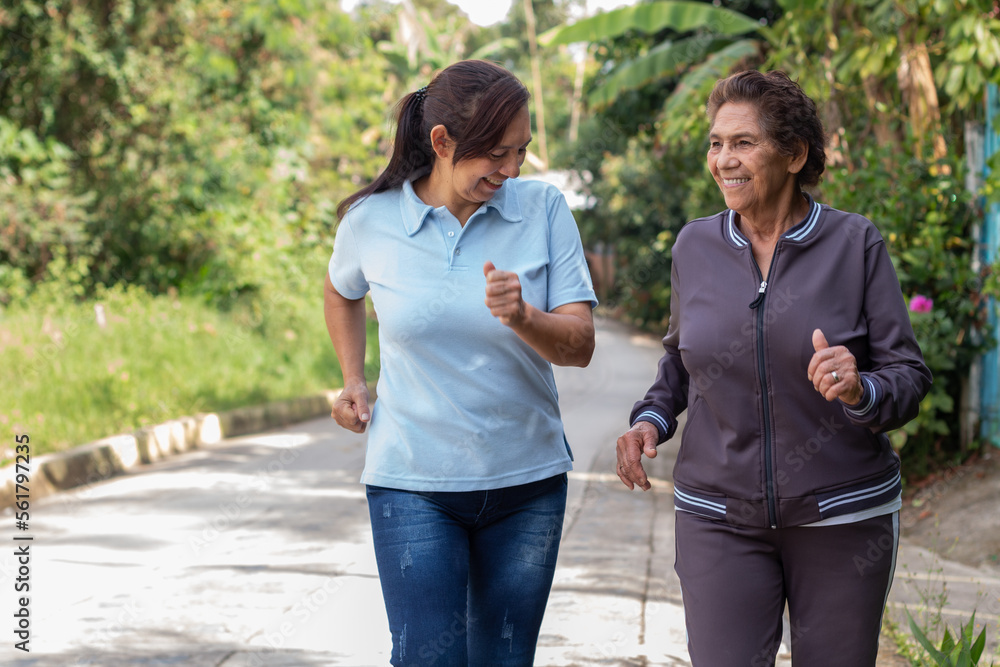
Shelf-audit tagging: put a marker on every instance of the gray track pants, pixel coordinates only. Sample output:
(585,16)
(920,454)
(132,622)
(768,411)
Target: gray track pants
(736,581)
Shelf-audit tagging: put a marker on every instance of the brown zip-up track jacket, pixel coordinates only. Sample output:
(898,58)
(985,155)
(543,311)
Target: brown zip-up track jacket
(761,446)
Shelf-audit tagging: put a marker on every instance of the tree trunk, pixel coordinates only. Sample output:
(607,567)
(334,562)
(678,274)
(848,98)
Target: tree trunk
(536,78)
(576,105)
(875,97)
(916,80)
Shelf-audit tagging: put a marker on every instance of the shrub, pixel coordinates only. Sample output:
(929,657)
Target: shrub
(927,218)
(85,370)
(958,651)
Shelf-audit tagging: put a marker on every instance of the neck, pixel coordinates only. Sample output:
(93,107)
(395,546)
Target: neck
(770,224)
(435,189)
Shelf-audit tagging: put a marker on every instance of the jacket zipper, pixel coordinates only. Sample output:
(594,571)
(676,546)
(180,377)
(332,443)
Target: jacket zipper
(758,305)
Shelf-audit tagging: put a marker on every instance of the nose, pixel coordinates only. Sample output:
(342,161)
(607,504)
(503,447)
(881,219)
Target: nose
(726,157)
(511,167)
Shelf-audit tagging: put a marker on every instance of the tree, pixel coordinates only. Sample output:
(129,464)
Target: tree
(696,41)
(193,145)
(426,39)
(918,64)
(898,81)
(548,72)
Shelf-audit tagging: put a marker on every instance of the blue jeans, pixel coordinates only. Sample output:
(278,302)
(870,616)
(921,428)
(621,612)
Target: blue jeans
(466,575)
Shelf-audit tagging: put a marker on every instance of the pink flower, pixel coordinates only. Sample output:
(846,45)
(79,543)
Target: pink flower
(921,304)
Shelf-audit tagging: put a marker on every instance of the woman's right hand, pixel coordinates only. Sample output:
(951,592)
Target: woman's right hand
(350,408)
(636,441)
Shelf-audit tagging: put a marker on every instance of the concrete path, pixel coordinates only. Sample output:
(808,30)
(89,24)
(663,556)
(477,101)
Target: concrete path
(256,551)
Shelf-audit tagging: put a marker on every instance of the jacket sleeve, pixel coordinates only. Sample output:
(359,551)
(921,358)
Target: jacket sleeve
(667,398)
(896,378)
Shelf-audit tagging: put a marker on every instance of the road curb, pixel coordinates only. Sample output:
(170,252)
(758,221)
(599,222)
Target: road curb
(128,452)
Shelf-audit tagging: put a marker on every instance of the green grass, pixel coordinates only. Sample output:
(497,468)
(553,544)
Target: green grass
(68,381)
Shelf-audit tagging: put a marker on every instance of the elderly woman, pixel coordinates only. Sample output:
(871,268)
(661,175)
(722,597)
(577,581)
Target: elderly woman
(480,285)
(790,347)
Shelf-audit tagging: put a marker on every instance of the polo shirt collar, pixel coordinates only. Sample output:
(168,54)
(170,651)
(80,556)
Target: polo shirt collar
(506,203)
(415,211)
(413,208)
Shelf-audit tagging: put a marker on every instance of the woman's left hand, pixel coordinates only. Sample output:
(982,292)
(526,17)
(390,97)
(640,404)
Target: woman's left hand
(503,295)
(834,371)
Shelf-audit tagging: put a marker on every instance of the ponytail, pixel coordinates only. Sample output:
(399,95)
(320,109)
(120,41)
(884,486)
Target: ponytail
(411,150)
(474,100)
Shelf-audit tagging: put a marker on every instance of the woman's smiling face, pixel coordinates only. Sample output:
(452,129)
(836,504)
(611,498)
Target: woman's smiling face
(746,165)
(476,180)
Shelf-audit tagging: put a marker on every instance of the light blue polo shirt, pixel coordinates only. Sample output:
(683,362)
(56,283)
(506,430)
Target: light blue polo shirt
(463,403)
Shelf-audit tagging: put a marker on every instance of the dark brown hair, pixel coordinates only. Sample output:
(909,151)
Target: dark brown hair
(786,114)
(475,100)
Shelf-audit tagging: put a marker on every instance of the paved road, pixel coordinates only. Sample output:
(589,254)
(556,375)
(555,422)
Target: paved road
(256,551)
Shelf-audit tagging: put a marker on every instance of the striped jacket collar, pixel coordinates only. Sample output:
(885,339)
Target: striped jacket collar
(800,232)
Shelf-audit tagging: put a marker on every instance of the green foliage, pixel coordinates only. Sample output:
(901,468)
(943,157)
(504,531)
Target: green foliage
(557,70)
(859,61)
(178,165)
(958,651)
(42,220)
(154,359)
(849,58)
(639,213)
(652,17)
(856,56)
(927,218)
(646,179)
(914,644)
(193,144)
(665,58)
(972,57)
(440,38)
(694,89)
(687,34)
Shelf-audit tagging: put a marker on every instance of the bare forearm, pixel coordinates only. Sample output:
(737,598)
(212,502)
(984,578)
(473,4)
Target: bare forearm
(564,337)
(345,322)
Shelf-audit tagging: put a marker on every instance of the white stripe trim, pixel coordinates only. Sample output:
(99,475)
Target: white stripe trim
(852,500)
(871,399)
(861,515)
(707,509)
(692,500)
(858,495)
(691,511)
(731,230)
(657,418)
(810,223)
(895,550)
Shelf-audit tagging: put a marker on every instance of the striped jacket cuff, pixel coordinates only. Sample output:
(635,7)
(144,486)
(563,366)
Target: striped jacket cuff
(869,399)
(661,423)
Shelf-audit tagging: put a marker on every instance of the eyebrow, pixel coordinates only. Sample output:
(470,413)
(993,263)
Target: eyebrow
(524,145)
(738,135)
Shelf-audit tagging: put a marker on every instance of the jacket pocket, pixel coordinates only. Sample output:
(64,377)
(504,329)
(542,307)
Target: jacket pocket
(712,506)
(860,495)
